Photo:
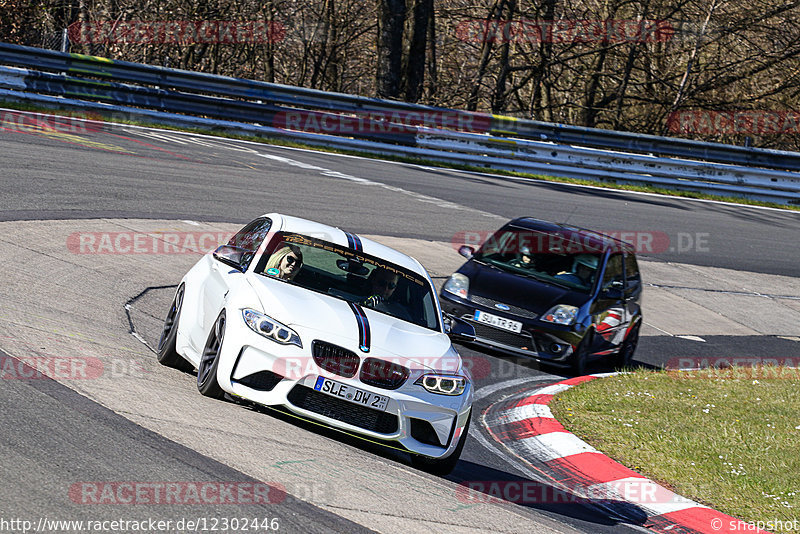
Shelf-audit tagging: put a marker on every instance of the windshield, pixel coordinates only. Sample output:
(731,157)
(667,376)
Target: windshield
(349,275)
(553,258)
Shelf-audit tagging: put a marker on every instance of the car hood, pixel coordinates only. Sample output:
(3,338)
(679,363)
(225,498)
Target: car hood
(517,290)
(331,319)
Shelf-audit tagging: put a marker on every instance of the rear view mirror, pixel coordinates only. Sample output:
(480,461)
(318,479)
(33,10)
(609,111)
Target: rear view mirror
(237,257)
(352,266)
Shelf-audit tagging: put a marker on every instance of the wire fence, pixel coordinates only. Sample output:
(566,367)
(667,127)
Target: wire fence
(55,41)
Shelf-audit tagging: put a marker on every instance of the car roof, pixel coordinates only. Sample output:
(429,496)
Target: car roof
(288,223)
(593,238)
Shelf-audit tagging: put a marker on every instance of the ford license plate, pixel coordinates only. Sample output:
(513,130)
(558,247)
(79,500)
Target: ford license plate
(498,322)
(351,394)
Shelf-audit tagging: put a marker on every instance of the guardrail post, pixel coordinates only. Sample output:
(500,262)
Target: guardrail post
(64,41)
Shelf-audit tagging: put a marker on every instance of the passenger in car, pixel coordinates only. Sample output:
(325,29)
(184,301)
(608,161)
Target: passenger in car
(583,269)
(285,262)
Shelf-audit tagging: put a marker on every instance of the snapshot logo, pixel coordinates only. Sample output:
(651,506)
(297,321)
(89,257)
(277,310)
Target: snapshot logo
(644,242)
(770,525)
(67,368)
(176,32)
(640,491)
(379,122)
(734,368)
(761,122)
(565,31)
(145,243)
(137,493)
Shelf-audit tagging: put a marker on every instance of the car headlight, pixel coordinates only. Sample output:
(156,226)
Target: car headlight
(270,328)
(443,384)
(561,314)
(458,285)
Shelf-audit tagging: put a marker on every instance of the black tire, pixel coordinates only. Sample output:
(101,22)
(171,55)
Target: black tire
(624,358)
(580,358)
(166,353)
(442,467)
(209,360)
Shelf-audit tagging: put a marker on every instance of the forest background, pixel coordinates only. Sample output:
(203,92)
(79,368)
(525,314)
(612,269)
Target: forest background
(715,70)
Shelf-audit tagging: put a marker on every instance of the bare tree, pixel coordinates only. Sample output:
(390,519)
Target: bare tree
(391,18)
(415,60)
(505,56)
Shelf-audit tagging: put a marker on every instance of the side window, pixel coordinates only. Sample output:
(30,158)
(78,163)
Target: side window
(634,278)
(613,272)
(251,236)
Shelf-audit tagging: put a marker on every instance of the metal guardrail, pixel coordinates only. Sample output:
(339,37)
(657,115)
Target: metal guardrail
(395,128)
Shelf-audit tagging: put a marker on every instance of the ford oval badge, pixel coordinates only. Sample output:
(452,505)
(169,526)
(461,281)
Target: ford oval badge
(502,307)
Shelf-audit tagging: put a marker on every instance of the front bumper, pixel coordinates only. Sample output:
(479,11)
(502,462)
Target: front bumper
(270,374)
(544,342)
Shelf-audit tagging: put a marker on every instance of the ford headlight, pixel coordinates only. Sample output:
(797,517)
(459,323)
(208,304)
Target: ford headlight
(458,285)
(561,314)
(270,328)
(443,384)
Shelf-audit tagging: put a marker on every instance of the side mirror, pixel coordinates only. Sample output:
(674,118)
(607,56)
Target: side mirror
(458,329)
(237,257)
(466,251)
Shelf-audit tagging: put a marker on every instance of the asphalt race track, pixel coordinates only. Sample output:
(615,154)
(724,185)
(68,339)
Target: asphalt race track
(135,422)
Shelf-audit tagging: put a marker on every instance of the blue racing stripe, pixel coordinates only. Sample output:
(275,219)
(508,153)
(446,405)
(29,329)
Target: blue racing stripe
(354,242)
(363,326)
(359,247)
(350,242)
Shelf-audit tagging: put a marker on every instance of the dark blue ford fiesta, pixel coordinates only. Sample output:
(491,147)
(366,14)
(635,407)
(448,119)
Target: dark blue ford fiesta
(556,293)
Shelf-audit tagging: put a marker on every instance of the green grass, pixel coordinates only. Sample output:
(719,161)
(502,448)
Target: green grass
(725,438)
(608,184)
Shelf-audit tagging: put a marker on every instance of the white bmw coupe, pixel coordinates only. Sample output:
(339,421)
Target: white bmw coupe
(331,327)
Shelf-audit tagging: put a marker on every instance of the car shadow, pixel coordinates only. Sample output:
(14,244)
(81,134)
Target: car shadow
(489,366)
(478,484)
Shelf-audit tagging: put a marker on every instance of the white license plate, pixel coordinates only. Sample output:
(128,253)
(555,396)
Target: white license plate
(350,393)
(499,322)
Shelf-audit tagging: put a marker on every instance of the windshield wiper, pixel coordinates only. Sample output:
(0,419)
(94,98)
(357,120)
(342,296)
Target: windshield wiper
(490,264)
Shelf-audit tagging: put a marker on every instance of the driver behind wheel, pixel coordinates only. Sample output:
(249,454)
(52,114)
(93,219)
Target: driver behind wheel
(525,259)
(382,284)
